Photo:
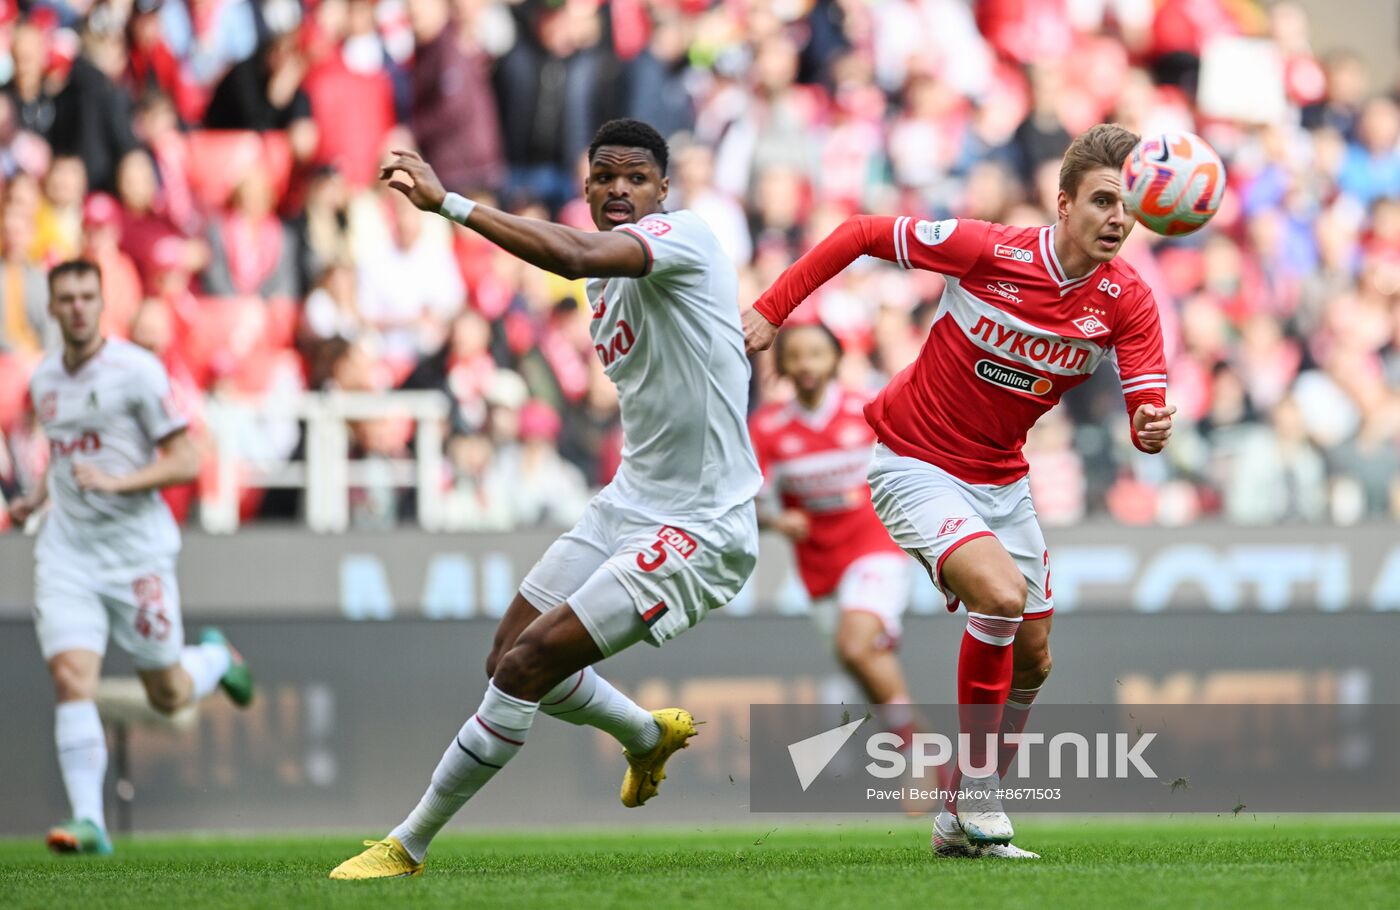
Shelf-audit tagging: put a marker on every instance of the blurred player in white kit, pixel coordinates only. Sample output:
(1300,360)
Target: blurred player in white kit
(105,557)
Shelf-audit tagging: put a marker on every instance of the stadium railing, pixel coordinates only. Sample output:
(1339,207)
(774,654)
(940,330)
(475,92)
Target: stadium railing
(327,473)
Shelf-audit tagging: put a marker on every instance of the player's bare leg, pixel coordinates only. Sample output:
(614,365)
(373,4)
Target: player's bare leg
(202,668)
(82,752)
(865,652)
(584,698)
(987,581)
(1030,668)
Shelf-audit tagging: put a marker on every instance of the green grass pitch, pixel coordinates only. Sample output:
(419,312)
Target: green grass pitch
(1183,862)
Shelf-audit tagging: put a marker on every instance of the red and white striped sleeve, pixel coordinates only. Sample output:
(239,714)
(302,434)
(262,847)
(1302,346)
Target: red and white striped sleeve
(1141,358)
(950,247)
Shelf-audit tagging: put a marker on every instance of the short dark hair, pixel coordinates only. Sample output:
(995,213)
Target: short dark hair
(631,133)
(1105,145)
(74,267)
(780,345)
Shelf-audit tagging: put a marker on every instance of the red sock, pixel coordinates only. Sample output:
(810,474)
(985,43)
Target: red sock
(984,679)
(1013,720)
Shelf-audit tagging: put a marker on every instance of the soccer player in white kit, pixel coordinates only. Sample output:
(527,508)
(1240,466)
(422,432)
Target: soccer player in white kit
(671,538)
(106,553)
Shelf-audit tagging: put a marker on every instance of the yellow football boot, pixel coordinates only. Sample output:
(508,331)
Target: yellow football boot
(646,772)
(383,859)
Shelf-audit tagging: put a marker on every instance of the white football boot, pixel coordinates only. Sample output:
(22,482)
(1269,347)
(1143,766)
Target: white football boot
(950,840)
(979,811)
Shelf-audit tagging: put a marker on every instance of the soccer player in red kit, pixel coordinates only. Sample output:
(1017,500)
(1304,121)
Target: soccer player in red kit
(815,453)
(1026,315)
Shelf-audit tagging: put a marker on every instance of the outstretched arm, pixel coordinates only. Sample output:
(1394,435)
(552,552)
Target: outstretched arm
(855,237)
(950,247)
(553,247)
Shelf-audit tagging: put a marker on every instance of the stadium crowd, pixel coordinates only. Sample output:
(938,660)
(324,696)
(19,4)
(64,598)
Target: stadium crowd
(218,158)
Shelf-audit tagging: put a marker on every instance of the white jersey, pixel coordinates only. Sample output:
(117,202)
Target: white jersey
(672,343)
(110,414)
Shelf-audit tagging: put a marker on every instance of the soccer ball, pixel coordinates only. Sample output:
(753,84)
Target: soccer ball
(1173,183)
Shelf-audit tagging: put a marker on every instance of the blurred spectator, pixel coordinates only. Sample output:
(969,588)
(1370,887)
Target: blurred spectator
(158,128)
(658,79)
(409,288)
(693,187)
(453,115)
(479,497)
(1347,86)
(556,82)
(323,228)
(152,65)
(58,220)
(122,290)
(25,326)
(250,250)
(1371,169)
(92,114)
(331,310)
(352,100)
(546,489)
(31,86)
(143,222)
(265,93)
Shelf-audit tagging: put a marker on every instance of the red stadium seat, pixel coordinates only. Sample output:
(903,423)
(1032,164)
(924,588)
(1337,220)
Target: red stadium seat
(227,334)
(220,158)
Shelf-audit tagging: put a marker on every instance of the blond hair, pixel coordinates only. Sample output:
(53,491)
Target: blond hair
(1106,145)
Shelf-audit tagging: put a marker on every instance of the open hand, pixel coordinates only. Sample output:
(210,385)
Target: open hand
(422,187)
(1153,426)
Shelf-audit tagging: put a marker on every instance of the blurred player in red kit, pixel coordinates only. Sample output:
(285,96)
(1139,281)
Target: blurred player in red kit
(1026,315)
(815,453)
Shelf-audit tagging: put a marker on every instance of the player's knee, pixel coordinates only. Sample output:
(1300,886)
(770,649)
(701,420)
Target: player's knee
(164,696)
(72,683)
(853,651)
(1033,670)
(520,670)
(1000,597)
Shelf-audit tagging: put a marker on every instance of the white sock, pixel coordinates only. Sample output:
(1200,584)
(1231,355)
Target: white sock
(205,664)
(82,758)
(588,699)
(488,740)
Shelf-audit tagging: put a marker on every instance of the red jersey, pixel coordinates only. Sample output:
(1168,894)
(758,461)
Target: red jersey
(1011,335)
(817,462)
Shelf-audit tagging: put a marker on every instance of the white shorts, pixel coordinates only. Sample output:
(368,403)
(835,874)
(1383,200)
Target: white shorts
(77,611)
(631,578)
(930,513)
(875,583)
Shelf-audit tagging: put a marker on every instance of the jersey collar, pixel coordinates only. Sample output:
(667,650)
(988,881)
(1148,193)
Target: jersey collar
(1053,267)
(821,416)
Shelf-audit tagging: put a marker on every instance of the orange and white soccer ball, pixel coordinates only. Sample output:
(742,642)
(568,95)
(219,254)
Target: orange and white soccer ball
(1173,183)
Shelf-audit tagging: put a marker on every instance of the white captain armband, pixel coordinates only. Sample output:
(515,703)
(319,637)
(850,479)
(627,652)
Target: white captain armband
(456,207)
